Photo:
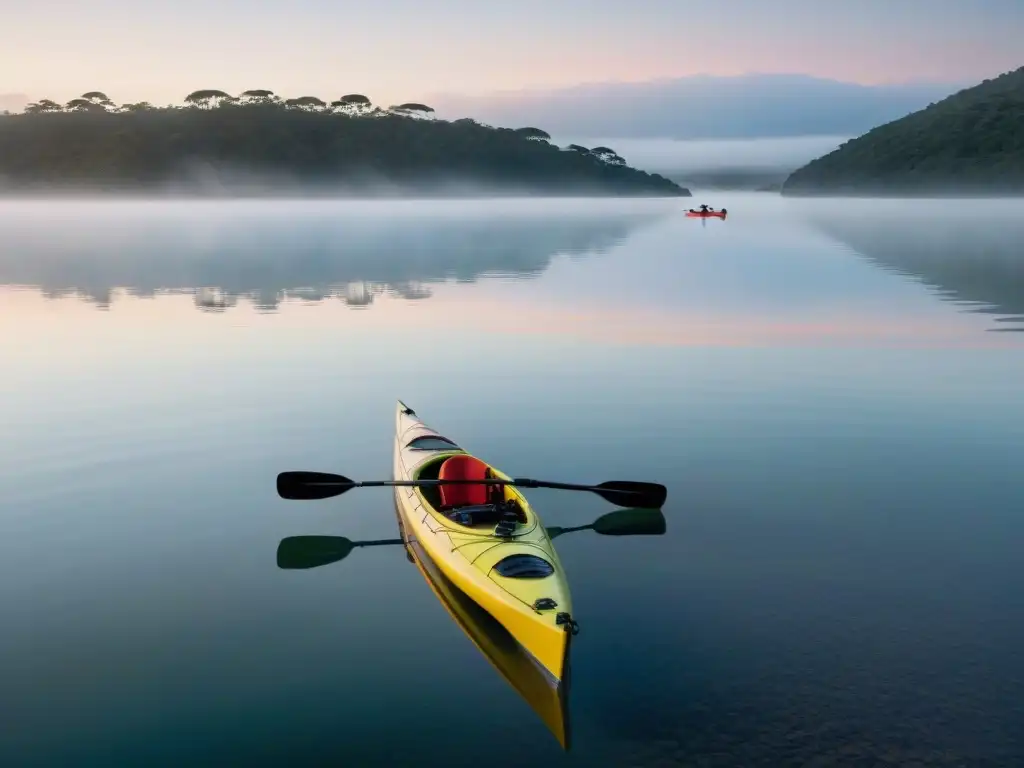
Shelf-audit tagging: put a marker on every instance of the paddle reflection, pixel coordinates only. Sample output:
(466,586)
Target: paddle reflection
(548,699)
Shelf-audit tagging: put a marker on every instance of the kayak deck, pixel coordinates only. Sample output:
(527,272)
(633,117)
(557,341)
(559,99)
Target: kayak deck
(501,555)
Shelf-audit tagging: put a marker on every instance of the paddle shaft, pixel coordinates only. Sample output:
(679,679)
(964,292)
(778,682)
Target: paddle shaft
(522,482)
(323,485)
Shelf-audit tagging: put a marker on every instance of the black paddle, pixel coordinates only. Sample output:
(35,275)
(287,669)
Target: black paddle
(295,552)
(323,485)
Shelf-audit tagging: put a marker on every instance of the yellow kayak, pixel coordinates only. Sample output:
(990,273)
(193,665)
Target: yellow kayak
(486,540)
(506,655)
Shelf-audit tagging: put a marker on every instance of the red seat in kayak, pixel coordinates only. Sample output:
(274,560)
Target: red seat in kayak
(463,468)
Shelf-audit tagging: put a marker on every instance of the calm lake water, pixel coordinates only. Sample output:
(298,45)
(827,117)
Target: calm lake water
(831,390)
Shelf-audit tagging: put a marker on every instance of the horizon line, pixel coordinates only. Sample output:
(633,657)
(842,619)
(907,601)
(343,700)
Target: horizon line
(668,79)
(528,90)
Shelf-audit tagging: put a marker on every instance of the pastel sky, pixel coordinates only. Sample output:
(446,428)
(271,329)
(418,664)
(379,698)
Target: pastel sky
(409,49)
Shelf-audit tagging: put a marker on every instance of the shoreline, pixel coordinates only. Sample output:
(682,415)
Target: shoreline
(908,195)
(150,194)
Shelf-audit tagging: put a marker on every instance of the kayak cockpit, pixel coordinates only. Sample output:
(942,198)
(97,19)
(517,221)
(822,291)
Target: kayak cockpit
(468,504)
(432,443)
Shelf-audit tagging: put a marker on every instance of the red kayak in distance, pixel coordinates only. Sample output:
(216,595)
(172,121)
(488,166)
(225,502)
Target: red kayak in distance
(707,215)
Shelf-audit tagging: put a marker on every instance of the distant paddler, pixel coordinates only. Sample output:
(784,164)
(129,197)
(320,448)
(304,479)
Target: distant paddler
(707,211)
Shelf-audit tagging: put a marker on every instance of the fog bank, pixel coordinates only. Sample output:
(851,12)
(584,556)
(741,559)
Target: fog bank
(661,155)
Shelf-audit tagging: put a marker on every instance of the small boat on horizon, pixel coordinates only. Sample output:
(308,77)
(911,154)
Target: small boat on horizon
(707,213)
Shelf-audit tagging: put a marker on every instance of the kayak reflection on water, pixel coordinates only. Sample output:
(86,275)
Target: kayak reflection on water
(547,698)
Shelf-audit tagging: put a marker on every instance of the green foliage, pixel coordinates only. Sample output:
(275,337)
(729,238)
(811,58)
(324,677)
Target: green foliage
(258,96)
(83,105)
(302,139)
(306,102)
(534,133)
(410,109)
(43,105)
(208,98)
(354,104)
(970,142)
(412,106)
(607,155)
(96,100)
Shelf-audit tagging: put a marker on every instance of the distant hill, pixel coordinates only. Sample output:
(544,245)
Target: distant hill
(258,144)
(703,106)
(969,143)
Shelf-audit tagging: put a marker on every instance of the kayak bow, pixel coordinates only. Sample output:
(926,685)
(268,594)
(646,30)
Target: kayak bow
(486,540)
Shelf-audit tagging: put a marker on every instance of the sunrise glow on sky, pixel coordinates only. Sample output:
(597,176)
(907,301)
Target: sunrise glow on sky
(404,49)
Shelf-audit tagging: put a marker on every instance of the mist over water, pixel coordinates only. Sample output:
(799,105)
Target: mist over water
(228,183)
(822,385)
(270,250)
(681,156)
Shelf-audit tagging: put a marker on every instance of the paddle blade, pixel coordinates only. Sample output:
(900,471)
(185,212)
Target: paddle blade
(312,551)
(311,485)
(625,493)
(631,522)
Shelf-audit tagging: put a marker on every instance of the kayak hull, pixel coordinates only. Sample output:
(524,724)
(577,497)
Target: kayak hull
(546,697)
(468,556)
(714,215)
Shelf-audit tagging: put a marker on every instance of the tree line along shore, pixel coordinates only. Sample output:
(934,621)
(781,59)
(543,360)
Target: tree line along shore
(218,140)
